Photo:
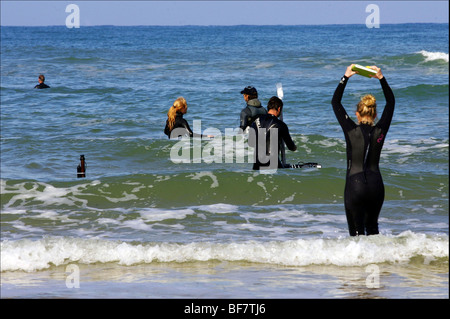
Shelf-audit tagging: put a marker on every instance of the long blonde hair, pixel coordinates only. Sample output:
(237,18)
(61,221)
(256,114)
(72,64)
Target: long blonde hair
(179,106)
(367,109)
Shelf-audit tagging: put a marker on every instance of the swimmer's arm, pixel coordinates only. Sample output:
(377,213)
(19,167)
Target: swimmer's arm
(188,128)
(388,112)
(286,136)
(166,130)
(243,120)
(191,133)
(344,120)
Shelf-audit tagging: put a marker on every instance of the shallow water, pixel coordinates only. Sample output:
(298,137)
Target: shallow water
(141,226)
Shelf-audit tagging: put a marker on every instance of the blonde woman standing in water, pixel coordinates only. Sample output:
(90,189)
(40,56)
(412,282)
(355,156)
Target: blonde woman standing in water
(364,187)
(176,125)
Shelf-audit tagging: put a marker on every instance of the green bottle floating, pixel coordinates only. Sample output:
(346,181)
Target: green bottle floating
(364,70)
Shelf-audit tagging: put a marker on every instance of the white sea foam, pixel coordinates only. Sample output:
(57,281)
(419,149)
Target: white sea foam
(126,197)
(219,208)
(45,193)
(156,214)
(199,176)
(28,255)
(433,56)
(403,147)
(264,65)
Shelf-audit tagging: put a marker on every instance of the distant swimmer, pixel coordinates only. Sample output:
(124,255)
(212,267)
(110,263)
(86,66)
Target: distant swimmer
(364,187)
(253,108)
(274,131)
(176,125)
(41,84)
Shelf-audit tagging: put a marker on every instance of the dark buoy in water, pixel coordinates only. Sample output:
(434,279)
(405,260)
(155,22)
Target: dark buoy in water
(81,169)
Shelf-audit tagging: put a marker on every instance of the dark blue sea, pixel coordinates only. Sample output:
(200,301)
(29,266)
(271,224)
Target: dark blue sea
(141,225)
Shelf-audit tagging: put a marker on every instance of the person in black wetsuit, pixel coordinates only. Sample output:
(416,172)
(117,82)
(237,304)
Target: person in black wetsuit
(41,84)
(176,125)
(364,187)
(253,108)
(268,126)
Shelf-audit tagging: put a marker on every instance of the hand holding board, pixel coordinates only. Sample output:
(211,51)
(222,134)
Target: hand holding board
(363,70)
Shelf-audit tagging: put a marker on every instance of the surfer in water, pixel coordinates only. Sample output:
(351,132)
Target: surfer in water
(253,108)
(269,126)
(176,125)
(364,187)
(41,84)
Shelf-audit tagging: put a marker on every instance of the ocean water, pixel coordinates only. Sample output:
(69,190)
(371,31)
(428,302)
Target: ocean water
(140,225)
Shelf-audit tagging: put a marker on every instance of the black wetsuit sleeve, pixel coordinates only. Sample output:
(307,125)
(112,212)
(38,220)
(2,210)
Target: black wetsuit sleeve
(166,129)
(180,128)
(344,120)
(188,128)
(185,124)
(287,138)
(388,112)
(244,119)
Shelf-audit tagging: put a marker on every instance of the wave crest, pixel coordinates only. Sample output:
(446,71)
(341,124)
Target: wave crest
(433,56)
(27,255)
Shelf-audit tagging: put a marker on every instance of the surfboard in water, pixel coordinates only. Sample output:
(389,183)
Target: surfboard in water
(304,165)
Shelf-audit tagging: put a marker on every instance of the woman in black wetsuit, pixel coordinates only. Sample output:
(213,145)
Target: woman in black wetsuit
(176,125)
(364,188)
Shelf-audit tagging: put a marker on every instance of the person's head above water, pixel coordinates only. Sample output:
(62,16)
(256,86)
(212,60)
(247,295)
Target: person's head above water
(366,109)
(41,78)
(275,106)
(179,106)
(249,93)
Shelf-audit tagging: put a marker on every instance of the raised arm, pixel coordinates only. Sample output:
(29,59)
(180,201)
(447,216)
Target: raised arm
(344,120)
(388,112)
